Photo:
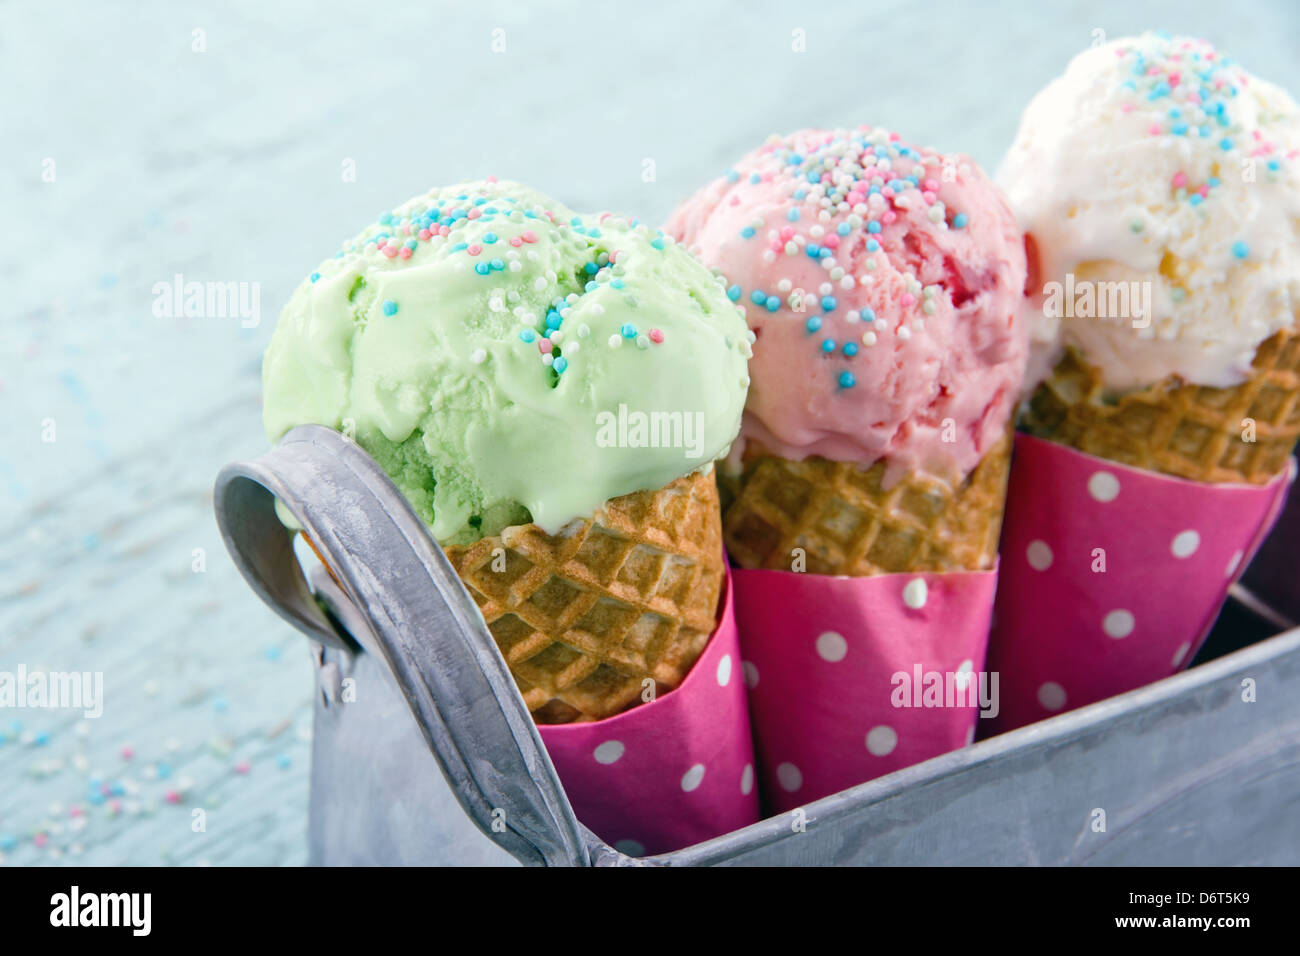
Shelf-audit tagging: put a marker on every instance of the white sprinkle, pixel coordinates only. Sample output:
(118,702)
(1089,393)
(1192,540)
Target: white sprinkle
(904,333)
(479,356)
(615,341)
(868,338)
(573,348)
(539,283)
(555,336)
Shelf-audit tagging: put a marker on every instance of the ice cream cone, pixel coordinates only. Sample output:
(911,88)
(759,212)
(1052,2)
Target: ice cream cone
(845,521)
(586,616)
(1242,434)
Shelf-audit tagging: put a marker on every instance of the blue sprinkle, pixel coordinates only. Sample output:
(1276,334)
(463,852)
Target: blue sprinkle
(1274,165)
(793,215)
(813,250)
(733,176)
(164,771)
(591,268)
(272,653)
(657,243)
(959,221)
(828,303)
(850,349)
(873,227)
(1213,181)
(868,315)
(772,303)
(758,297)
(747,233)
(1194,199)
(1179,129)
(617,283)
(755,178)
(1240,249)
(40,740)
(460,247)
(813,324)
(873,246)
(843,229)
(593,232)
(283,761)
(489,237)
(847,380)
(733,293)
(527,335)
(497,265)
(7,842)
(628,330)
(553,319)
(390,307)
(560,364)
(828,346)
(314,276)
(482,268)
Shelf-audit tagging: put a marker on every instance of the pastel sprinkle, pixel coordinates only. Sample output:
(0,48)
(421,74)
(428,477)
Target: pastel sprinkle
(1240,249)
(390,307)
(656,336)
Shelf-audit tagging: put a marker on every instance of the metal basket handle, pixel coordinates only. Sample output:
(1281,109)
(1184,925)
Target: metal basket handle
(427,627)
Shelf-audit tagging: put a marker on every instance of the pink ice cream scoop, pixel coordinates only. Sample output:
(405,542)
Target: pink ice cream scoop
(882,283)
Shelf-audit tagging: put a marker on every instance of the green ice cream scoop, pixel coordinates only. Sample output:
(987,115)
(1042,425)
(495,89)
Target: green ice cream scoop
(507,360)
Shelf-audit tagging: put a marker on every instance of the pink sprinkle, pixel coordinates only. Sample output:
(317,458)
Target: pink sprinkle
(389,251)
(128,753)
(776,245)
(907,299)
(444,230)
(1173,79)
(474,213)
(475,249)
(786,233)
(1126,107)
(242,767)
(516,241)
(1155,129)
(544,346)
(405,253)
(887,193)
(889,217)
(529,236)
(491,179)
(931,185)
(115,806)
(831,242)
(172,797)
(424,234)
(41,839)
(656,336)
(735,200)
(928,195)
(74,810)
(1180,180)
(1204,190)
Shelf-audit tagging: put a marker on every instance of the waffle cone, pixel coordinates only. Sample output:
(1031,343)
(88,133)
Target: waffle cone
(847,522)
(584,617)
(1188,431)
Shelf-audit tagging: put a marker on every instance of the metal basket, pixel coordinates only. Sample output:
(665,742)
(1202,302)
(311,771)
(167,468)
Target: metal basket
(437,761)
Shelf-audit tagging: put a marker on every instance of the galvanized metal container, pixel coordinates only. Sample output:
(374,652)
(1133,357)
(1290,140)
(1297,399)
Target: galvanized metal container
(425,754)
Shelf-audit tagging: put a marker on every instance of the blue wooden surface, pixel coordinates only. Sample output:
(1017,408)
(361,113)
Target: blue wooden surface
(226,164)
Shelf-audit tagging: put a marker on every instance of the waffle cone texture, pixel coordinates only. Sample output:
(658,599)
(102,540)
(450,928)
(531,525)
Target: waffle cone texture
(585,617)
(1187,431)
(839,518)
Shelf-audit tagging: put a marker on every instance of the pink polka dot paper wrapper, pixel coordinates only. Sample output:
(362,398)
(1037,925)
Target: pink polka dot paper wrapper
(823,657)
(672,772)
(1068,634)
